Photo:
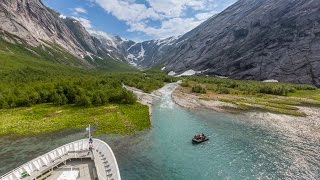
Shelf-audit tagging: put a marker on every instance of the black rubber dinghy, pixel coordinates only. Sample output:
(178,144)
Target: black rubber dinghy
(199,140)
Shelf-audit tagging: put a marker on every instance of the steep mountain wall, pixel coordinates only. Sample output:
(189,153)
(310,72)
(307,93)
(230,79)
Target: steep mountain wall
(255,39)
(35,23)
(252,39)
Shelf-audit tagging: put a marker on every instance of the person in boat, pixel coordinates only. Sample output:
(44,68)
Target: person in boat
(198,136)
(203,136)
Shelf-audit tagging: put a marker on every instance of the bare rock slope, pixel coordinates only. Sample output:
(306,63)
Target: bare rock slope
(255,39)
(38,25)
(32,21)
(252,39)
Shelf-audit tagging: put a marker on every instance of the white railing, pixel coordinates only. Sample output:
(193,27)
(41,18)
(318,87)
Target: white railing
(48,159)
(104,149)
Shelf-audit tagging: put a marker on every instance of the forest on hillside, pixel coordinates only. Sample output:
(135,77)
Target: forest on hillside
(84,90)
(30,76)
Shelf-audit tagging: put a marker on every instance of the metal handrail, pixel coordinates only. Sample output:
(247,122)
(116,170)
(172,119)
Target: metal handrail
(113,158)
(78,141)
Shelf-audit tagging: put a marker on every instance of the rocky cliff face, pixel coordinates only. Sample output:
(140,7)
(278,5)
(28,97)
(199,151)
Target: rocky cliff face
(252,39)
(148,53)
(255,39)
(102,45)
(81,35)
(32,21)
(38,25)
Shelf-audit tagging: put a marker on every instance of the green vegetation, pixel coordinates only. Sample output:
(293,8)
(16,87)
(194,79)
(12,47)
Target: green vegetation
(26,80)
(48,79)
(226,86)
(45,118)
(280,98)
(198,89)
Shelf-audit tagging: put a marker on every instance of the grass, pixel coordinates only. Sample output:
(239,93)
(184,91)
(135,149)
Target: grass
(36,74)
(46,118)
(282,98)
(269,103)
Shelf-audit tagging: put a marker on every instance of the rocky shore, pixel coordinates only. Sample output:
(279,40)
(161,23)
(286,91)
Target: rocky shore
(149,98)
(191,101)
(299,127)
(307,127)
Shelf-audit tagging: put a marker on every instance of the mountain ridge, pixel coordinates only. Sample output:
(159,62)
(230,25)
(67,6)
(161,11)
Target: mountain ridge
(254,40)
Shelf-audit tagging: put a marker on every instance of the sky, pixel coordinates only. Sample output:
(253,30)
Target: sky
(139,20)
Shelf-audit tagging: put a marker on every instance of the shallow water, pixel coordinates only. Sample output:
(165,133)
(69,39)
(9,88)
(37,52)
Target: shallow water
(237,149)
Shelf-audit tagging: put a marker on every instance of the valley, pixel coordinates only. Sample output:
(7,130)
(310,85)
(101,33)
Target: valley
(246,75)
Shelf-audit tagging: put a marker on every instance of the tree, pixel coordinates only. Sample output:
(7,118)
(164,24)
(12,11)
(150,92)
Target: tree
(96,100)
(70,94)
(56,99)
(3,102)
(198,89)
(34,98)
(83,100)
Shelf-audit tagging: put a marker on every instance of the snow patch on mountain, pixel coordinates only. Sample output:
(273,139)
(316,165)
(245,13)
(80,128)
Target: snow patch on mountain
(105,38)
(189,73)
(62,16)
(168,41)
(131,46)
(172,73)
(142,51)
(90,55)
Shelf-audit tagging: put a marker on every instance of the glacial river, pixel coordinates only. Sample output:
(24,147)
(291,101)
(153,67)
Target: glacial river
(237,149)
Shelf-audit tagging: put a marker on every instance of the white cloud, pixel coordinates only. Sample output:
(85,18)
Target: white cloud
(175,8)
(90,28)
(79,10)
(170,27)
(128,11)
(171,14)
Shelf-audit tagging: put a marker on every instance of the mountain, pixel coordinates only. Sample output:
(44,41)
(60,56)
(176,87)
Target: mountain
(39,26)
(254,39)
(98,44)
(147,53)
(30,22)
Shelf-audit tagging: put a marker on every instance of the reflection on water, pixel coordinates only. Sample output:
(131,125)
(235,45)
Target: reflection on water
(237,149)
(16,151)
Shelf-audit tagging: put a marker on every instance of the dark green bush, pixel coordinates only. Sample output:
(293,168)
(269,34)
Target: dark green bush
(198,89)
(82,90)
(185,84)
(248,87)
(223,90)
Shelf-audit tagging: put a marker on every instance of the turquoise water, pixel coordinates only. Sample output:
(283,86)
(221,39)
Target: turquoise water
(237,149)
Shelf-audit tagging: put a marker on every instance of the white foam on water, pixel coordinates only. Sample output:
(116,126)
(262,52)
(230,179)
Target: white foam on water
(166,91)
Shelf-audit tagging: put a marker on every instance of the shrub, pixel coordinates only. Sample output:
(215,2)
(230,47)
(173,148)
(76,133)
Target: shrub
(96,100)
(223,90)
(248,86)
(3,102)
(83,100)
(198,89)
(58,99)
(185,84)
